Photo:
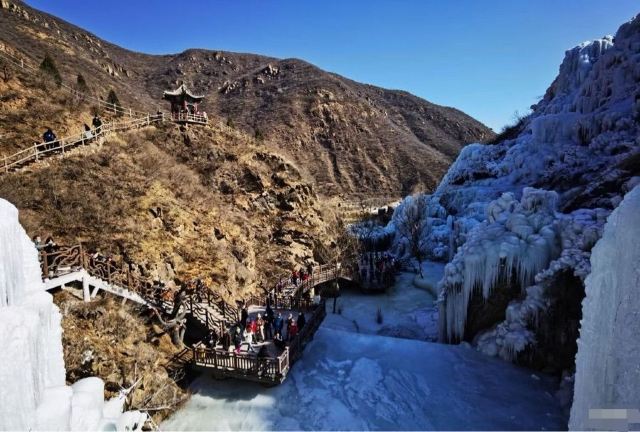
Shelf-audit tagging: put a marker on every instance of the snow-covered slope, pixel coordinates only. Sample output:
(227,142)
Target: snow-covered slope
(33,394)
(607,371)
(517,220)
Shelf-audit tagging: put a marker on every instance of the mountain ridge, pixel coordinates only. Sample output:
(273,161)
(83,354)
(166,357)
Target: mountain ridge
(354,138)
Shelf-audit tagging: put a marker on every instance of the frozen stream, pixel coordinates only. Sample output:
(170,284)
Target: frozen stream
(367,380)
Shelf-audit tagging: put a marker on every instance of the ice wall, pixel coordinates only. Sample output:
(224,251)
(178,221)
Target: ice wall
(30,330)
(572,142)
(33,394)
(607,372)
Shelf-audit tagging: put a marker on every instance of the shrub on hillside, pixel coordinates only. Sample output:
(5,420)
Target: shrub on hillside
(81,83)
(49,68)
(6,70)
(511,131)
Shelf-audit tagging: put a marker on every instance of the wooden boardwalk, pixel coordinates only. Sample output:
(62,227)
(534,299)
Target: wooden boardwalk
(65,265)
(40,151)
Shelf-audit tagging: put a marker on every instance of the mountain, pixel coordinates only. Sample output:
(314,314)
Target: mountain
(351,138)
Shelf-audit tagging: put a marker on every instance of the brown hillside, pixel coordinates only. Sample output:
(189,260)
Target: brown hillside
(352,138)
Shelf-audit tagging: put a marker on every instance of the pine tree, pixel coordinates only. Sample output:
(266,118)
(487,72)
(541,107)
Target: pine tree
(114,102)
(48,66)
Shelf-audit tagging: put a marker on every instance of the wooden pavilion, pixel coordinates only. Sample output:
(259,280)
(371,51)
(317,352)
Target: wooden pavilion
(184,106)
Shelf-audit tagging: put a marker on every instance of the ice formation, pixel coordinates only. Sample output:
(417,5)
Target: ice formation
(578,232)
(516,238)
(578,143)
(607,372)
(32,376)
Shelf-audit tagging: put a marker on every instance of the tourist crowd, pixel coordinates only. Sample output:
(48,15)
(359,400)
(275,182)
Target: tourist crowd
(255,331)
(377,268)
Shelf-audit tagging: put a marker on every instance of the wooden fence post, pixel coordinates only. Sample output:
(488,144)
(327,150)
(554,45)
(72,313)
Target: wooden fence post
(82,257)
(45,264)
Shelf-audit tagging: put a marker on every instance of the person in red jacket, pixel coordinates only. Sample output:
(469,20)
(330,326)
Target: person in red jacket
(293,330)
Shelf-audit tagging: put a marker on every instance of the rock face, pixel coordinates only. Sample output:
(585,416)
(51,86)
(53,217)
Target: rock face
(350,137)
(516,279)
(235,215)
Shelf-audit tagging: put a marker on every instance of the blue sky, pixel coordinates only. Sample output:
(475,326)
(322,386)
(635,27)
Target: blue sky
(487,58)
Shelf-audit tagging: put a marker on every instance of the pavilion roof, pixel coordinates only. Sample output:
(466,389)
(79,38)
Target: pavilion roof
(181,91)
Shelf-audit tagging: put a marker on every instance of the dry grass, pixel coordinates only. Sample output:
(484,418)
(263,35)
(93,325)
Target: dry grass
(119,345)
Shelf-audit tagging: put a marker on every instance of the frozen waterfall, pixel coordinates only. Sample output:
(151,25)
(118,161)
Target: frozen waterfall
(33,394)
(607,372)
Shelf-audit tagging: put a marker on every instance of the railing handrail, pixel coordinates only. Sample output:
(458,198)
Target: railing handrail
(36,150)
(71,258)
(182,116)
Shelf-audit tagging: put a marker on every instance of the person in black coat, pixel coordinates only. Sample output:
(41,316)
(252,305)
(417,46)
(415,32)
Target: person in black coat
(226,341)
(97,123)
(301,321)
(212,340)
(268,322)
(237,340)
(244,316)
(49,137)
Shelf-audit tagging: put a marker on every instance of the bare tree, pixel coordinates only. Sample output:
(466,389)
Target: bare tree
(412,224)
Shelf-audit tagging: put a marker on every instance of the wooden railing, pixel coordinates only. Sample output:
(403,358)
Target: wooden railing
(291,296)
(67,259)
(189,118)
(306,333)
(64,260)
(267,368)
(261,369)
(41,150)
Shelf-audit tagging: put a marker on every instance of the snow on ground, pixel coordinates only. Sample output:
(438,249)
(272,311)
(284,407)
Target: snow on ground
(407,311)
(359,381)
